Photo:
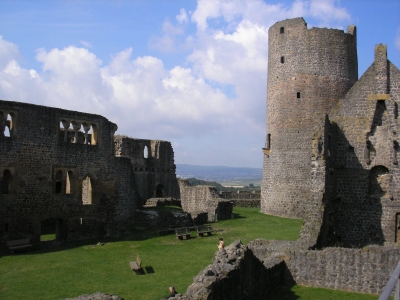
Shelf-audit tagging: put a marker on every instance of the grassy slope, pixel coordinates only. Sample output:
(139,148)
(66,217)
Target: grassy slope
(84,268)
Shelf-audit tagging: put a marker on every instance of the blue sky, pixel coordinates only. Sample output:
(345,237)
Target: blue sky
(190,72)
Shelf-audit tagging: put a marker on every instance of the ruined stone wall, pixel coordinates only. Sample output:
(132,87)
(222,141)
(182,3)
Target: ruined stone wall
(364,161)
(60,164)
(200,199)
(243,199)
(309,70)
(153,165)
(364,270)
(241,195)
(255,271)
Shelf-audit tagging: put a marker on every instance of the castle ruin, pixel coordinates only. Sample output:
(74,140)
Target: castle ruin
(68,167)
(331,159)
(332,143)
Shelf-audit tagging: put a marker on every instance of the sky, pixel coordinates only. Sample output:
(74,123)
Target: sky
(190,72)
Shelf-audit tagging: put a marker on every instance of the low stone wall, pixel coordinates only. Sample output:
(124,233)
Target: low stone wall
(196,199)
(250,203)
(365,270)
(256,270)
(163,202)
(241,195)
(162,219)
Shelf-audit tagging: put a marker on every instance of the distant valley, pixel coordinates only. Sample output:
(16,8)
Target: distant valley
(219,173)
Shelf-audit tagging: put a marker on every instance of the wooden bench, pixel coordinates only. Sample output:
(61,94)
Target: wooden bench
(204,230)
(136,266)
(19,244)
(182,233)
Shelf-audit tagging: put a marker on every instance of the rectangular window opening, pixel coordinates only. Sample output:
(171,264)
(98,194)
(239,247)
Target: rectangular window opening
(282,30)
(282,59)
(298,94)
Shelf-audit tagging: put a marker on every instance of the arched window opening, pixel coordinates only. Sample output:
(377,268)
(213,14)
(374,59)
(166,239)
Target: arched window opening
(6,182)
(87,191)
(7,132)
(9,126)
(159,191)
(68,182)
(59,176)
(379,182)
(93,137)
(145,152)
(58,187)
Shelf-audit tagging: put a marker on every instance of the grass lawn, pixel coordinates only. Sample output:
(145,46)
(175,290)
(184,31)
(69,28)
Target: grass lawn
(75,268)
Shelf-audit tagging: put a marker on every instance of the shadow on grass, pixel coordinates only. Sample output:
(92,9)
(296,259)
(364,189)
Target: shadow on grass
(137,234)
(149,269)
(284,293)
(238,216)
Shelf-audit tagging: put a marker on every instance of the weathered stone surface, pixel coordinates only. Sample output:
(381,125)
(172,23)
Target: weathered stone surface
(68,167)
(332,138)
(204,199)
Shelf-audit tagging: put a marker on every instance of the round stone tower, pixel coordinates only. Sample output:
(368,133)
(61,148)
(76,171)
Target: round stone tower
(309,70)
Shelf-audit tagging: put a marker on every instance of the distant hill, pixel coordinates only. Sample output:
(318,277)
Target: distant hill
(218,173)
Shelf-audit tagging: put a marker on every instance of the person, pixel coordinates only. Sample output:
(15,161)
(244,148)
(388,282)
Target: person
(172,292)
(221,244)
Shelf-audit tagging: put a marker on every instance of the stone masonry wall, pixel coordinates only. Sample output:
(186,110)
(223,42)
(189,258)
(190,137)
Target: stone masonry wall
(365,270)
(153,165)
(65,167)
(309,70)
(255,271)
(200,199)
(364,161)
(47,156)
(243,199)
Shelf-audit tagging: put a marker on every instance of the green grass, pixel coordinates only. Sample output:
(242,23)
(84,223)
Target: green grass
(48,237)
(76,268)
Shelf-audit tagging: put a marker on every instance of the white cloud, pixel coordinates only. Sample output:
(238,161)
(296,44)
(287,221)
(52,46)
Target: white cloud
(218,94)
(86,44)
(327,11)
(167,42)
(397,40)
(8,52)
(182,17)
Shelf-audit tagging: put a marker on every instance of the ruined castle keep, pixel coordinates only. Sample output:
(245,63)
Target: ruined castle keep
(331,159)
(68,167)
(331,151)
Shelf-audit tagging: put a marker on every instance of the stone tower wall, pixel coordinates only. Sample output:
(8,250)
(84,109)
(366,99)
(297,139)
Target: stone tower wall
(309,70)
